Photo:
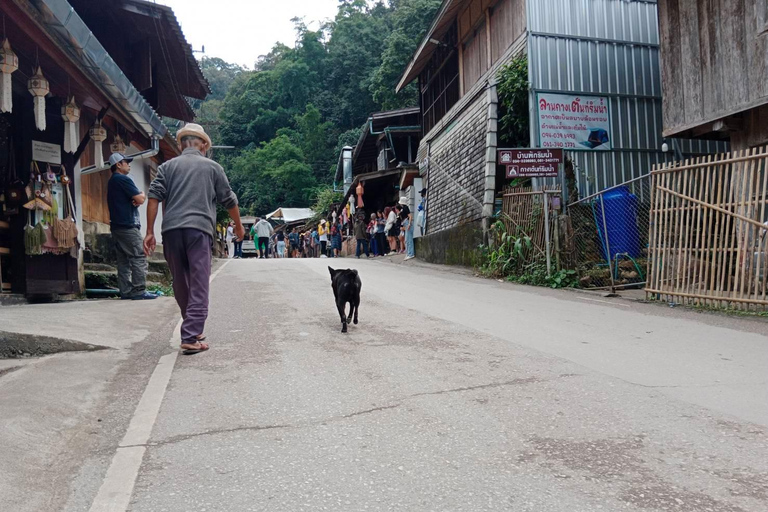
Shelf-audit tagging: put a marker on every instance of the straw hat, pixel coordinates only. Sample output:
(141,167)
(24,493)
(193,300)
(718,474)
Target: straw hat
(195,130)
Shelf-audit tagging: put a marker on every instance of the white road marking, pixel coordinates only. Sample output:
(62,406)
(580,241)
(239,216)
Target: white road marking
(117,488)
(605,302)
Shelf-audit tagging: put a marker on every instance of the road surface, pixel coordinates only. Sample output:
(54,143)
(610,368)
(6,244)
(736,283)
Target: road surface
(453,393)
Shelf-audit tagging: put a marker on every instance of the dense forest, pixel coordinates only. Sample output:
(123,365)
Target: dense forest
(289,116)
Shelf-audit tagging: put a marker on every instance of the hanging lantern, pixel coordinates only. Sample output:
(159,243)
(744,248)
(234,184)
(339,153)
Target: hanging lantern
(9,63)
(99,135)
(38,86)
(70,113)
(117,146)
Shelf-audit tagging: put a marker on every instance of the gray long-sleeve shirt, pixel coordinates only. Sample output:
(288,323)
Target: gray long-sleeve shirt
(190,185)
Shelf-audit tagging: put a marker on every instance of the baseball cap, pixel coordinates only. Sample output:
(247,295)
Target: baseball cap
(116,158)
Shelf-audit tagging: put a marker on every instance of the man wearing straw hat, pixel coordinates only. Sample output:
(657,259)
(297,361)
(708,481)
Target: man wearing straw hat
(189,186)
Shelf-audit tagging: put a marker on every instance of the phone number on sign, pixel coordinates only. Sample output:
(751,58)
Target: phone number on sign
(558,135)
(548,144)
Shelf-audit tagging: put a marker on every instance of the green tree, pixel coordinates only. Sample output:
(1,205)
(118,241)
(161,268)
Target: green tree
(410,21)
(271,176)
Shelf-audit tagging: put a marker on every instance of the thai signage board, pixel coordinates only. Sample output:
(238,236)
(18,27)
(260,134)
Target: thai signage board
(531,163)
(574,122)
(44,152)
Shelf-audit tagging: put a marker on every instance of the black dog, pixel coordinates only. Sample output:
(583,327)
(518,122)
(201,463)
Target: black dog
(346,288)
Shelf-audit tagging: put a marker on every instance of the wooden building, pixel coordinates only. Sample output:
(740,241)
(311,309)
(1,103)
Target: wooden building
(126,64)
(590,54)
(383,159)
(714,59)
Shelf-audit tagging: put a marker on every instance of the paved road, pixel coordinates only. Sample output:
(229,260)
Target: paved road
(455,393)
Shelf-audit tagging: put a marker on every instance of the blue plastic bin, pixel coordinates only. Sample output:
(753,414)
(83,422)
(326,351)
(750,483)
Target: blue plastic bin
(620,223)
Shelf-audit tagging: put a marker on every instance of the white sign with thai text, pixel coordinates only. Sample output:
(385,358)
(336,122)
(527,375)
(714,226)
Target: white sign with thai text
(44,152)
(574,122)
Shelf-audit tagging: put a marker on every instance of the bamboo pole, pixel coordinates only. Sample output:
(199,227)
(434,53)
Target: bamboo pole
(700,225)
(739,238)
(749,242)
(678,231)
(706,227)
(666,234)
(729,160)
(725,271)
(688,189)
(720,299)
(721,170)
(651,267)
(764,239)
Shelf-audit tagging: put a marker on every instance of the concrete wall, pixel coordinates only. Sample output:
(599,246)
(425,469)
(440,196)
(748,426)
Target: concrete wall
(455,246)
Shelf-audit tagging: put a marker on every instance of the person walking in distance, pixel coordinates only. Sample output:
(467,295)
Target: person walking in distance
(280,238)
(231,240)
(189,186)
(263,230)
(361,235)
(322,234)
(124,199)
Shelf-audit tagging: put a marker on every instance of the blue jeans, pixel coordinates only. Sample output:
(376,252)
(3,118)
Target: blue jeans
(362,244)
(239,249)
(280,249)
(409,249)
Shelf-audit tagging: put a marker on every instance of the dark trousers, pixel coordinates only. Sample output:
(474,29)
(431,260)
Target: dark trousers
(131,261)
(188,253)
(239,249)
(263,246)
(362,243)
(381,243)
(323,248)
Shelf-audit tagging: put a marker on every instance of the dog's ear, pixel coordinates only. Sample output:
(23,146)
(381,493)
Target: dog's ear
(354,271)
(333,272)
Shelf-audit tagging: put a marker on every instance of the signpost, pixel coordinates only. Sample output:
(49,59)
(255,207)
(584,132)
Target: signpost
(531,163)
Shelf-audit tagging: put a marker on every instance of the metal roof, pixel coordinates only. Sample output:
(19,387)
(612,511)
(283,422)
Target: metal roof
(289,215)
(77,39)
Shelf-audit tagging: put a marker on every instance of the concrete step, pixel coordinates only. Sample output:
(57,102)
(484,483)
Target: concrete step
(98,267)
(108,279)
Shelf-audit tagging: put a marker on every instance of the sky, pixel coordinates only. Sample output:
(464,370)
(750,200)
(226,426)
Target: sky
(238,31)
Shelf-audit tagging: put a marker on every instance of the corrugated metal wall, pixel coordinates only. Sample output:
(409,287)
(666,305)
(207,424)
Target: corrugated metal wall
(607,48)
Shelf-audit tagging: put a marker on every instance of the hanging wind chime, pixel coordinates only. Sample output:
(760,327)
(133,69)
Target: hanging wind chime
(9,63)
(99,135)
(71,115)
(39,87)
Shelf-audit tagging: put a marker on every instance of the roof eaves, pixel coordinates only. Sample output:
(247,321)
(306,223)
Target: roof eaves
(410,73)
(74,36)
(176,28)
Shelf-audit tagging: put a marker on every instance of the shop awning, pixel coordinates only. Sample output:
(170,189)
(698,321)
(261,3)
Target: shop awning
(289,215)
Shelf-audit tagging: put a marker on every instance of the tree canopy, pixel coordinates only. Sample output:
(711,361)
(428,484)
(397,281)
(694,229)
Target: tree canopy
(289,117)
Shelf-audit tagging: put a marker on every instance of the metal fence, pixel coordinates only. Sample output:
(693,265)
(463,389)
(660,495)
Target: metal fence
(605,236)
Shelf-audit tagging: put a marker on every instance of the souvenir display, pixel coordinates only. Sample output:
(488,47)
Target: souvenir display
(70,113)
(99,135)
(9,63)
(39,87)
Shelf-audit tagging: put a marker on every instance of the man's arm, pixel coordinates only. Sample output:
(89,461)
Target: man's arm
(139,199)
(149,240)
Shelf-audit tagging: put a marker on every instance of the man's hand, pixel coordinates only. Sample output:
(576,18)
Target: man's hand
(240,231)
(149,244)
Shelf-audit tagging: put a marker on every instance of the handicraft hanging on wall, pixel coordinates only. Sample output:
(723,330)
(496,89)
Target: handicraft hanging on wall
(9,63)
(39,87)
(99,135)
(70,113)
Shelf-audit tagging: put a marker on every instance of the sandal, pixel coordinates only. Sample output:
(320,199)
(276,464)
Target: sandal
(189,349)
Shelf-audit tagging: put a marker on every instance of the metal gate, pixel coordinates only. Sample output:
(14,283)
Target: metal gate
(707,236)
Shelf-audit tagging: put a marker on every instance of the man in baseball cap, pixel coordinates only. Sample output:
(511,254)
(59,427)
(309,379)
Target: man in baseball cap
(124,199)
